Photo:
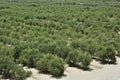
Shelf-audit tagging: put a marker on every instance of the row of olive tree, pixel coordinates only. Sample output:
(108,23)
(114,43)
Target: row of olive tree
(46,63)
(10,70)
(79,58)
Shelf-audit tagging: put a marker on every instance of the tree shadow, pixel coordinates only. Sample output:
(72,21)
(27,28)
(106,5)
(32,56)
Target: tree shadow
(59,77)
(80,67)
(104,61)
(108,62)
(52,76)
(45,72)
(85,69)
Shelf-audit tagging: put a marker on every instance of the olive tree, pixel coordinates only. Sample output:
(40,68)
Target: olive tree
(51,64)
(42,64)
(73,57)
(29,57)
(9,69)
(79,58)
(106,54)
(85,60)
(56,66)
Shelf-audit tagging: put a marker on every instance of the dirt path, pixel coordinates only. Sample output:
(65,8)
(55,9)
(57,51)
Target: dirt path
(99,72)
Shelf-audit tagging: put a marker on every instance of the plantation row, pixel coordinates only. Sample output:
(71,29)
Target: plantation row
(48,37)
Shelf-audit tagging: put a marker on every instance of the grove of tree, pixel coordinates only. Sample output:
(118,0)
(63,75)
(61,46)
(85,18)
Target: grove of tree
(48,36)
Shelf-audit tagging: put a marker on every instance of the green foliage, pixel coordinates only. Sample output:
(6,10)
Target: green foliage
(118,49)
(6,50)
(29,57)
(51,64)
(85,60)
(43,63)
(118,52)
(73,58)
(20,74)
(8,69)
(74,33)
(56,66)
(107,54)
(110,54)
(79,58)
(86,45)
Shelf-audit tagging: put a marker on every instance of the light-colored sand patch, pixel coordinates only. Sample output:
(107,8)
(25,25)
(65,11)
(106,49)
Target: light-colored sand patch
(119,32)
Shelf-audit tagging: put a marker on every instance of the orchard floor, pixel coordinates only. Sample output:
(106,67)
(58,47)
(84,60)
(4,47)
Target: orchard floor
(97,72)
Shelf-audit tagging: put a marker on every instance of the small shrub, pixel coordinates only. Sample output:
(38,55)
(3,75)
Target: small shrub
(20,74)
(56,67)
(29,57)
(79,59)
(43,63)
(73,58)
(85,60)
(51,64)
(110,54)
(8,69)
(107,54)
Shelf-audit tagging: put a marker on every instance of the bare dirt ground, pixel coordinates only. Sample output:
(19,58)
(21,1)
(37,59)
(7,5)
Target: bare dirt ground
(97,72)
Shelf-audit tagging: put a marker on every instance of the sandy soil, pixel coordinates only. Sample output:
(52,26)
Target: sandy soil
(97,72)
(119,32)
